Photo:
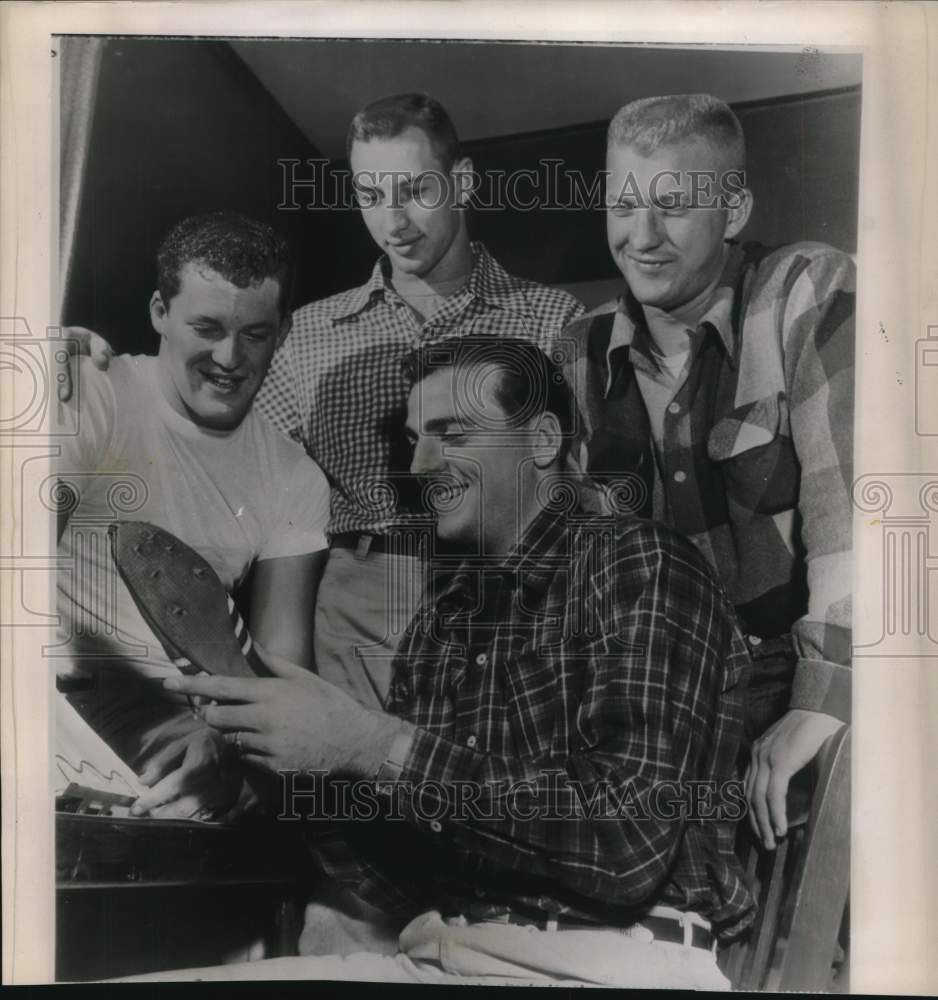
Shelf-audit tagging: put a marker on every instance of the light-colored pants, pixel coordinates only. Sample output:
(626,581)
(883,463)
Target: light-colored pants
(432,950)
(363,607)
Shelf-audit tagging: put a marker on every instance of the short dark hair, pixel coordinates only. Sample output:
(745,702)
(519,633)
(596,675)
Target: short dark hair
(390,116)
(530,383)
(651,122)
(239,248)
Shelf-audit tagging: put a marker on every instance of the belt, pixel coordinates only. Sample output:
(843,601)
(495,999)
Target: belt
(662,927)
(361,543)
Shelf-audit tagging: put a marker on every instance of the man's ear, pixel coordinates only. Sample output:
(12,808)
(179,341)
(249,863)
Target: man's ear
(739,209)
(158,315)
(465,180)
(286,325)
(548,441)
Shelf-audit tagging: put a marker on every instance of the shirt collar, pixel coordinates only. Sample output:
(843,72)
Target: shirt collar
(630,330)
(535,558)
(377,284)
(530,565)
(491,283)
(488,281)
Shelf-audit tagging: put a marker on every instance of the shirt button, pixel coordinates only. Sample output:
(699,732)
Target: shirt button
(674,408)
(754,640)
(436,825)
(679,476)
(482,659)
(471,742)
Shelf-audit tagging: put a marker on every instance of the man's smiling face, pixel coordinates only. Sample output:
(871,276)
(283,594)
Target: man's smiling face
(666,232)
(217,343)
(408,200)
(475,460)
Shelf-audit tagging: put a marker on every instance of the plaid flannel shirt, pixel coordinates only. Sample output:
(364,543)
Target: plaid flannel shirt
(757,460)
(598,667)
(337,388)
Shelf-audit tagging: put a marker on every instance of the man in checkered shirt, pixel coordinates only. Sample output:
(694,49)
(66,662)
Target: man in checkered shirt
(722,381)
(336,386)
(551,794)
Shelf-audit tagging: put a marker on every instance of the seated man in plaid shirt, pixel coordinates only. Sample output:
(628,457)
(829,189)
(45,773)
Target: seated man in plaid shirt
(720,385)
(550,795)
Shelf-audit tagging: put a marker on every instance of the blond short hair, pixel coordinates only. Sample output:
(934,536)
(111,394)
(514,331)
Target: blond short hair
(652,122)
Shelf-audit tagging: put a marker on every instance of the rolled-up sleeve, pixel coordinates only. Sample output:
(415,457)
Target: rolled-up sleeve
(818,322)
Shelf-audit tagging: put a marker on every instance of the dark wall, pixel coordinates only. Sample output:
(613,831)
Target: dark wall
(803,169)
(180,127)
(804,166)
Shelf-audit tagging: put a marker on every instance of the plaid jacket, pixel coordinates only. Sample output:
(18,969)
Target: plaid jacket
(758,445)
(570,702)
(336,385)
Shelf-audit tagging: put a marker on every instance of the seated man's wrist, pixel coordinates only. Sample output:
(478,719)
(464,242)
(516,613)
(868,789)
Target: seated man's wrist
(385,749)
(395,757)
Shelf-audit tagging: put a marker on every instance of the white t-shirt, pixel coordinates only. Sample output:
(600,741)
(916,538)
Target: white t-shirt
(234,496)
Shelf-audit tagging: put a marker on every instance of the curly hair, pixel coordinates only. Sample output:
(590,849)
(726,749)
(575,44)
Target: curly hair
(240,249)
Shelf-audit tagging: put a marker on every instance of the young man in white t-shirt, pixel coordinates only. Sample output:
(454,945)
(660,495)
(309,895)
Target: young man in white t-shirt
(173,440)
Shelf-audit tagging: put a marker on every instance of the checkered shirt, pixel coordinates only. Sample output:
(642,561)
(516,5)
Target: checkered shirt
(336,385)
(757,458)
(600,662)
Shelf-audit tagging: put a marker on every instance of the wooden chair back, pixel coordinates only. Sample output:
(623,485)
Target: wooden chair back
(802,886)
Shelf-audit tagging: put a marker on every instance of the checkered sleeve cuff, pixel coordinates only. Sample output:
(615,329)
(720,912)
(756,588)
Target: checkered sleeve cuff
(823,686)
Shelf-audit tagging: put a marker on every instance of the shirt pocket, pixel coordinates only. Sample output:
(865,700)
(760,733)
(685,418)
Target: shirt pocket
(531,703)
(753,447)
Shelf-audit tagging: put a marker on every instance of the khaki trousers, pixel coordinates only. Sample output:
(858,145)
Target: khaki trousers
(364,606)
(432,950)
